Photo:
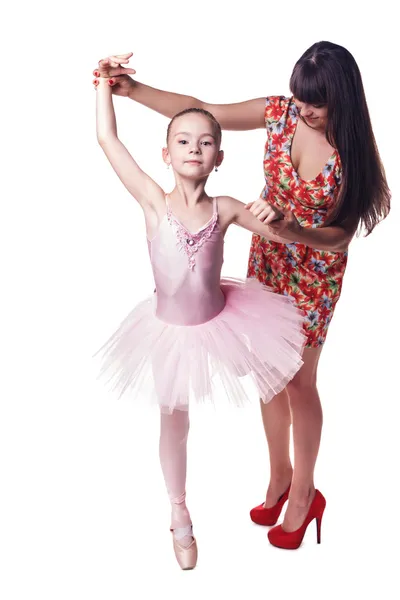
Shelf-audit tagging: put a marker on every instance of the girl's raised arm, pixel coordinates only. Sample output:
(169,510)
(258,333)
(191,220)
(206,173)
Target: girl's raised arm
(142,187)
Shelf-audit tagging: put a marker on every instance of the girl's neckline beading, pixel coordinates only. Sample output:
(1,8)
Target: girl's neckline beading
(189,242)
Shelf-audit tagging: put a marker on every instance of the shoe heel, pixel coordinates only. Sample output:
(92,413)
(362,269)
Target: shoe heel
(319,521)
(292,540)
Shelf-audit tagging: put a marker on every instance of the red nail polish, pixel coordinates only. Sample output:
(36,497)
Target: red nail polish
(97,74)
(111,81)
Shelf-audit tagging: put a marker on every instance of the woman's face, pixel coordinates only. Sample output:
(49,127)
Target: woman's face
(314,115)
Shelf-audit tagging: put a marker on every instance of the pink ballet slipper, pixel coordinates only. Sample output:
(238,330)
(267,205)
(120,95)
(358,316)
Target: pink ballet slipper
(186,556)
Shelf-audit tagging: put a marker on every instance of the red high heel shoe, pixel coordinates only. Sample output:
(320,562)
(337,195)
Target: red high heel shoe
(291,540)
(269,516)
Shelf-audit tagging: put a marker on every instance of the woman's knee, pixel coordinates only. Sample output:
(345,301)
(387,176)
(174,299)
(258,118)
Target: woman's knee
(302,389)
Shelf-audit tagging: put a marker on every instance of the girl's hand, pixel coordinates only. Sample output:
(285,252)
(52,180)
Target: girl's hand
(281,222)
(264,211)
(111,68)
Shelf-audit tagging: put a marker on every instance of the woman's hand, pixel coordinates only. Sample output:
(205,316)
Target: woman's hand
(118,76)
(281,222)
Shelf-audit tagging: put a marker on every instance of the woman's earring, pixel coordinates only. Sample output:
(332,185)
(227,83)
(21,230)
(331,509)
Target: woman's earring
(216,169)
(168,166)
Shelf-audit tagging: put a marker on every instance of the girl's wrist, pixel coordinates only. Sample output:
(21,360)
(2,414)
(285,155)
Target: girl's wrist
(103,83)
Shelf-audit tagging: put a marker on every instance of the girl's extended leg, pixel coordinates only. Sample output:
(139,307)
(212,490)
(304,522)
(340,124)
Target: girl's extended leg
(174,429)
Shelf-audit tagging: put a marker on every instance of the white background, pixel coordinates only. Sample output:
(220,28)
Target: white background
(84,514)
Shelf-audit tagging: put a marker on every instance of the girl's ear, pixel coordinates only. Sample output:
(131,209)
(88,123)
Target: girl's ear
(166,157)
(220,158)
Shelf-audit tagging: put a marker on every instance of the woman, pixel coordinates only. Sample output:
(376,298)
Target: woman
(324,174)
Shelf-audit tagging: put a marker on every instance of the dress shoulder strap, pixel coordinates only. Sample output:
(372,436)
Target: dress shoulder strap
(215,206)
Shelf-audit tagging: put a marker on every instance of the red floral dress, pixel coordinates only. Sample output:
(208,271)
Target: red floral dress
(313,278)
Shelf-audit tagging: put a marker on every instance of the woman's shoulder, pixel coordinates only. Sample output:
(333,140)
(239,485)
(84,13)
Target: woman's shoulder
(276,107)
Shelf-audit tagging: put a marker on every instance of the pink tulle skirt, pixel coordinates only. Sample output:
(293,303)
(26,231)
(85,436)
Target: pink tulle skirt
(251,349)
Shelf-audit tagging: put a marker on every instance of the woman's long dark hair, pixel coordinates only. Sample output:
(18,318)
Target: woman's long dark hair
(328,74)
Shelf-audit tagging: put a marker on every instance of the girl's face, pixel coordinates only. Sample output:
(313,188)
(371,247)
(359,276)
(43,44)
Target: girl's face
(193,148)
(315,115)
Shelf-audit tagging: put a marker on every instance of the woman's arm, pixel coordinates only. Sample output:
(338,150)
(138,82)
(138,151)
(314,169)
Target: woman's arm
(331,238)
(283,227)
(240,116)
(284,223)
(139,184)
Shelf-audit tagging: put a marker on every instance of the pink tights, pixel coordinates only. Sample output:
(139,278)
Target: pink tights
(174,429)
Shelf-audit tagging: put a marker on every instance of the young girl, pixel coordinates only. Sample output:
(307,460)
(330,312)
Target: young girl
(196,326)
